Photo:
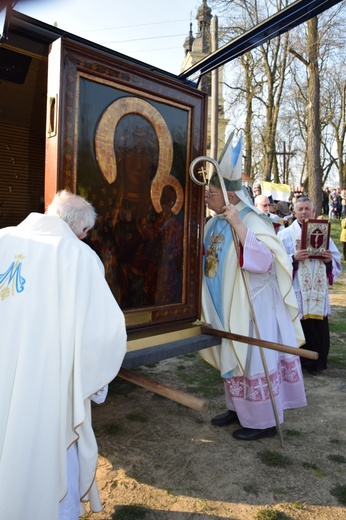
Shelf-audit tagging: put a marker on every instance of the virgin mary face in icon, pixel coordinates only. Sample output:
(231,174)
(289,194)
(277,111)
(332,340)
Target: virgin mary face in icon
(137,159)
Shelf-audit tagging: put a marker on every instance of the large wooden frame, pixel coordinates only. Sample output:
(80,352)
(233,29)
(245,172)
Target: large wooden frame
(105,116)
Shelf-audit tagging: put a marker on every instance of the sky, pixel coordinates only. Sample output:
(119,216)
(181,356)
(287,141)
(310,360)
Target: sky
(152,31)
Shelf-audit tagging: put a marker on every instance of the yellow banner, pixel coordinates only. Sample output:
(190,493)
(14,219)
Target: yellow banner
(277,191)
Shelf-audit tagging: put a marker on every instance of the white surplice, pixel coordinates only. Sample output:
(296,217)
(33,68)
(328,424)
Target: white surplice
(288,237)
(63,338)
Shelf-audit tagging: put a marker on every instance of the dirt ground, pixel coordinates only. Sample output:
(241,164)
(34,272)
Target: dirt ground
(162,461)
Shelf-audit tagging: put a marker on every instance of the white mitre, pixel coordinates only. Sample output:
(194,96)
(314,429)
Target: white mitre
(230,163)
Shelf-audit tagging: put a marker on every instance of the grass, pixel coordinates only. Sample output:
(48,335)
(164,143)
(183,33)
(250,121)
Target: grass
(270,514)
(278,491)
(337,326)
(110,429)
(131,512)
(137,417)
(251,489)
(299,506)
(292,433)
(274,459)
(193,374)
(335,235)
(318,473)
(205,380)
(335,232)
(337,321)
(338,459)
(339,492)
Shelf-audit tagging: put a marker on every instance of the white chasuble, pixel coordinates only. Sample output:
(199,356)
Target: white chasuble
(63,338)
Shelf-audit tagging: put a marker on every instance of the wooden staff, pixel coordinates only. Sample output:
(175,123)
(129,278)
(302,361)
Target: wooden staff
(171,393)
(309,354)
(246,285)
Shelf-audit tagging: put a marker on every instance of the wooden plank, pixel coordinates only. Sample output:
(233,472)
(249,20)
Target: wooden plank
(171,393)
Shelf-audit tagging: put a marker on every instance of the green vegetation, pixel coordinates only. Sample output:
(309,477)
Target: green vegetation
(337,322)
(108,429)
(251,489)
(274,459)
(339,492)
(278,491)
(292,433)
(299,506)
(270,514)
(317,471)
(137,417)
(338,459)
(335,230)
(193,373)
(203,379)
(131,512)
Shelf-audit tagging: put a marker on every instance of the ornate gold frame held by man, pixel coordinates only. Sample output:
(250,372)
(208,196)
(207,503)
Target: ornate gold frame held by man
(315,236)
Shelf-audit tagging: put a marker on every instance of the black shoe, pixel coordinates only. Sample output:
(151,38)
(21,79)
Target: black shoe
(224,418)
(249,434)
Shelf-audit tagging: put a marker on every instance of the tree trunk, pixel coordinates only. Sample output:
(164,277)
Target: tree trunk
(314,169)
(249,114)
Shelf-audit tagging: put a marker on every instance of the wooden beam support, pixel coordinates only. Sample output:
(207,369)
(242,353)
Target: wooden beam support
(175,395)
(309,354)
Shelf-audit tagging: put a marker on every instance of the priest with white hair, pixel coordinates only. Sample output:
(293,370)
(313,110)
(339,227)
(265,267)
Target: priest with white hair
(226,306)
(63,339)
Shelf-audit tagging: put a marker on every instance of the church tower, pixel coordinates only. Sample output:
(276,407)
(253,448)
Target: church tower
(197,48)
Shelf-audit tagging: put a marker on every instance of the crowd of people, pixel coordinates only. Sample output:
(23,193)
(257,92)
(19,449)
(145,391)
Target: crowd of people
(333,205)
(333,201)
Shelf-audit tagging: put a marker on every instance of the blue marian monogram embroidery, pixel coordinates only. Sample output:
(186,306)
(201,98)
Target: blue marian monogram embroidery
(11,281)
